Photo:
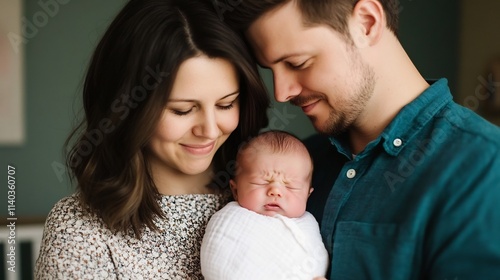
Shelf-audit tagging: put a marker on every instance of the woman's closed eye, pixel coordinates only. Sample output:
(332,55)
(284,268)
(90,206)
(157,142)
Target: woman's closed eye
(226,106)
(181,112)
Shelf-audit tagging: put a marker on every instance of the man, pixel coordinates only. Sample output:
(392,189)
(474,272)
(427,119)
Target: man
(406,181)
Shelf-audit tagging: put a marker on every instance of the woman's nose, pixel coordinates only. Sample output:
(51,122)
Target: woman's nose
(207,126)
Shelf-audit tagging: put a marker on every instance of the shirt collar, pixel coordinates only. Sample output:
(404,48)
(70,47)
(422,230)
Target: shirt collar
(408,121)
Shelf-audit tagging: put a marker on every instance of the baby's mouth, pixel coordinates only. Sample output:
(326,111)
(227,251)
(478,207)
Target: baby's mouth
(272,206)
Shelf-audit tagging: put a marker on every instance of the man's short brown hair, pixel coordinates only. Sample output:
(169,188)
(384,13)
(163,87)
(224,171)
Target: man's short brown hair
(333,13)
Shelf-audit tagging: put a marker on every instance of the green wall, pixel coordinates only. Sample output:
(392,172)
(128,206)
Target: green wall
(56,56)
(56,59)
(429,31)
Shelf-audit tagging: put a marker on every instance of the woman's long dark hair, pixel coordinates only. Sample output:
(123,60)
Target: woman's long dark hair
(125,91)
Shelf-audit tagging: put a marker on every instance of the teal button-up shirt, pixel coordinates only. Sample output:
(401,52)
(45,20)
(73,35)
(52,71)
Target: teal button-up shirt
(422,201)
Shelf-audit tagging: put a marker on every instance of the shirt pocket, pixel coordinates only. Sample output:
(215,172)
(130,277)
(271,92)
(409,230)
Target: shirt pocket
(373,251)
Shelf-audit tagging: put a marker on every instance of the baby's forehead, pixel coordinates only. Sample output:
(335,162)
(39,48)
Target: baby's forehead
(261,151)
(262,147)
(265,162)
(274,143)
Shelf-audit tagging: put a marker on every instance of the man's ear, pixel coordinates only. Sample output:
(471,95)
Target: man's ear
(367,22)
(234,190)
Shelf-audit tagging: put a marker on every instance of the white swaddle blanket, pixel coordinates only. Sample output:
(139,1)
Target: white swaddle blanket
(241,244)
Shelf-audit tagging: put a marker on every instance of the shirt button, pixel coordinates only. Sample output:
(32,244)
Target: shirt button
(397,142)
(351,173)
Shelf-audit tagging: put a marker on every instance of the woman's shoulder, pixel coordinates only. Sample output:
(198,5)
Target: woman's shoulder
(70,215)
(67,208)
(74,242)
(70,200)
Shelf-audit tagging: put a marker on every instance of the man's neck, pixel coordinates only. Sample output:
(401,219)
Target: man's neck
(398,83)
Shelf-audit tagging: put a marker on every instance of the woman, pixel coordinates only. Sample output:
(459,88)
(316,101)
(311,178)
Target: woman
(170,94)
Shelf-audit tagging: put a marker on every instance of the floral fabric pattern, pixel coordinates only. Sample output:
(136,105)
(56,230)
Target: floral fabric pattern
(77,245)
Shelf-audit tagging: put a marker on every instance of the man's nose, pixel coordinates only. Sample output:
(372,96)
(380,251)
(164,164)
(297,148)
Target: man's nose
(286,85)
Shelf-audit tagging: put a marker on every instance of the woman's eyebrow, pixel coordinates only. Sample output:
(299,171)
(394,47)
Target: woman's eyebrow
(231,94)
(194,100)
(182,100)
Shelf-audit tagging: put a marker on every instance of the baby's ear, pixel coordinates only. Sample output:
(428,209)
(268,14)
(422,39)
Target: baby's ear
(234,190)
(311,189)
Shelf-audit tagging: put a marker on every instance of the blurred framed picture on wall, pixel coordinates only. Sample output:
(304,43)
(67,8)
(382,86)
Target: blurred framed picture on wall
(494,84)
(11,73)
(490,88)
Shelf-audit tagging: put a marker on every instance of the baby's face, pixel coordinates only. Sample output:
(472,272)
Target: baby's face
(273,183)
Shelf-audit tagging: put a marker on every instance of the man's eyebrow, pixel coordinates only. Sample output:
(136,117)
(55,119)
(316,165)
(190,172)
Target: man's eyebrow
(194,100)
(283,57)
